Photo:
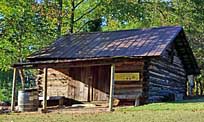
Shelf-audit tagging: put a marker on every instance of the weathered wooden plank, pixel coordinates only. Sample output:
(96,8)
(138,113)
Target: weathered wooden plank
(168,76)
(128,82)
(166,62)
(110,107)
(127,91)
(21,73)
(13,100)
(135,96)
(167,70)
(45,91)
(166,81)
(165,86)
(123,86)
(129,66)
(164,65)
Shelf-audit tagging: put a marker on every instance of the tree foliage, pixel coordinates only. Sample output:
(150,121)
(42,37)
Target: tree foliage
(23,30)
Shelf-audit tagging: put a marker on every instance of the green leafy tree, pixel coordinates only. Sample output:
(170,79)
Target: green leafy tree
(23,30)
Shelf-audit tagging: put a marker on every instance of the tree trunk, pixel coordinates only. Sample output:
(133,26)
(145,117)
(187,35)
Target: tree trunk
(201,87)
(72,17)
(196,87)
(59,19)
(20,48)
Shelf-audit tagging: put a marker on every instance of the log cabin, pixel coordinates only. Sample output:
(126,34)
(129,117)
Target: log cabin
(137,66)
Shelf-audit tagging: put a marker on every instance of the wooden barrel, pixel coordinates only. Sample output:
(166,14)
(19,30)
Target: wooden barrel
(28,100)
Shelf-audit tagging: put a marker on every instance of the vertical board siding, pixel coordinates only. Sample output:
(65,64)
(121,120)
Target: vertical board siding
(101,82)
(81,83)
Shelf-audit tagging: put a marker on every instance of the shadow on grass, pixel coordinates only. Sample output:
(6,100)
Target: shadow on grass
(193,99)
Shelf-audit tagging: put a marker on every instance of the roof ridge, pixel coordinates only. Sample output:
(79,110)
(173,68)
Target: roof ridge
(133,29)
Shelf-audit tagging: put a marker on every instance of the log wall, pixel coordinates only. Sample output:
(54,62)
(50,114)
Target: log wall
(166,77)
(129,90)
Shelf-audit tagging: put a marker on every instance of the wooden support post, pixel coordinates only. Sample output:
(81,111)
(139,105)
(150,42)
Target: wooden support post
(45,91)
(13,101)
(111,88)
(22,78)
(191,84)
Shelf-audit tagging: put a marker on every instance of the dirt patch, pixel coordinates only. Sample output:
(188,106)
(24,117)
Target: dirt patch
(69,110)
(79,110)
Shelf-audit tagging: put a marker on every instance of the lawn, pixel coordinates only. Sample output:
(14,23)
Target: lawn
(184,111)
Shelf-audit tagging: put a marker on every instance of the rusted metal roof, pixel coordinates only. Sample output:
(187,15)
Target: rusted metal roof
(125,43)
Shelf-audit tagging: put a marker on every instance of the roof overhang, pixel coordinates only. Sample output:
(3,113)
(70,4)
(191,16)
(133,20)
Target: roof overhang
(64,63)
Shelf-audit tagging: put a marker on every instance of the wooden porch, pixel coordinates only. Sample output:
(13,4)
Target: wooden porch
(87,75)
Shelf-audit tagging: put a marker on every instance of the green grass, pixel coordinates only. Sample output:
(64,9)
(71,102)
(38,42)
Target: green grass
(184,111)
(186,105)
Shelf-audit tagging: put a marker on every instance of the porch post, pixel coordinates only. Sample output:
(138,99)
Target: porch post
(22,78)
(45,90)
(111,88)
(13,101)
(191,84)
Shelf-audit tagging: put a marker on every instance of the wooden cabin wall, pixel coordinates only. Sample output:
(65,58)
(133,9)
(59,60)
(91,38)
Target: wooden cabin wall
(56,80)
(129,90)
(100,83)
(166,77)
(96,80)
(61,84)
(79,83)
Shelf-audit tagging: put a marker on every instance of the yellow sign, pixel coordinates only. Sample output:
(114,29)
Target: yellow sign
(127,76)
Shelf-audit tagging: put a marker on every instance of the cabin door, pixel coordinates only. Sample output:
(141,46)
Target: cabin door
(99,83)
(78,88)
(85,84)
(94,85)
